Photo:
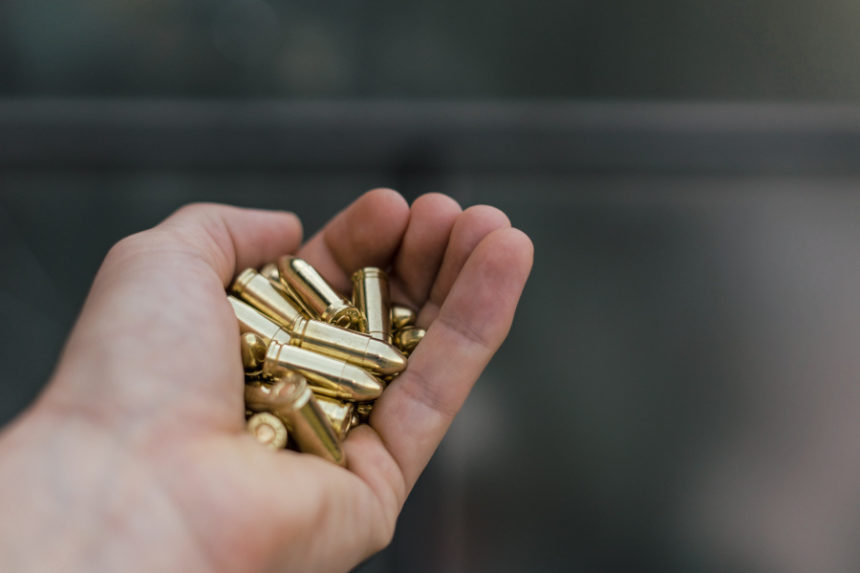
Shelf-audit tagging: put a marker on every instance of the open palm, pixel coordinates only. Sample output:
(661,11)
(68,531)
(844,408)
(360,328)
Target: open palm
(145,410)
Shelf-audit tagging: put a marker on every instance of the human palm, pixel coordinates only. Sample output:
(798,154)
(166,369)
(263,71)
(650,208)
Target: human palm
(137,448)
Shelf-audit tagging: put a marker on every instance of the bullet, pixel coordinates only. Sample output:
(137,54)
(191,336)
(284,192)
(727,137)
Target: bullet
(253,350)
(402,316)
(270,271)
(290,399)
(304,282)
(268,429)
(250,320)
(340,414)
(408,338)
(328,376)
(354,347)
(363,410)
(259,292)
(370,297)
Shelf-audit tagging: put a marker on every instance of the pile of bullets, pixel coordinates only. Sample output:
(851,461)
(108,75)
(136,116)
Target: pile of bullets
(315,362)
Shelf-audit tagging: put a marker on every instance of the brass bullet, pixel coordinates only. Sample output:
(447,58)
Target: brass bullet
(259,292)
(328,376)
(363,410)
(268,429)
(408,338)
(402,316)
(290,398)
(250,320)
(353,347)
(270,271)
(339,413)
(253,350)
(305,283)
(370,297)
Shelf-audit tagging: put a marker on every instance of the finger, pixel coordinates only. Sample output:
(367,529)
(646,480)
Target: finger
(469,229)
(414,412)
(424,242)
(366,233)
(230,238)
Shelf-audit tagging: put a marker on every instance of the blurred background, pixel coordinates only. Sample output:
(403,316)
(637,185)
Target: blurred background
(679,391)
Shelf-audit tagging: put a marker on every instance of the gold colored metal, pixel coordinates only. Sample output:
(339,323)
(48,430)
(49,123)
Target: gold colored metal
(253,349)
(263,295)
(250,320)
(328,376)
(370,297)
(339,413)
(363,410)
(408,338)
(268,429)
(402,316)
(305,284)
(290,398)
(354,421)
(270,271)
(353,347)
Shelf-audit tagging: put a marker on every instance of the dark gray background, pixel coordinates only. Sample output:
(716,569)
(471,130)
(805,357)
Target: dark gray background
(678,390)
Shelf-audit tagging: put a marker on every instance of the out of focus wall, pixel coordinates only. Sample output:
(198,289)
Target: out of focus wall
(678,390)
(661,49)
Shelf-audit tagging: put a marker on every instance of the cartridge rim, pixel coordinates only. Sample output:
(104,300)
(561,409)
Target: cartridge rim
(268,429)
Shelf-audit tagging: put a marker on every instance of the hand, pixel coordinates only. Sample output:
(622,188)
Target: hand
(135,456)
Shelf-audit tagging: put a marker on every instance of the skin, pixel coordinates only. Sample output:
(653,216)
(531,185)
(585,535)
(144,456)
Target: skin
(135,457)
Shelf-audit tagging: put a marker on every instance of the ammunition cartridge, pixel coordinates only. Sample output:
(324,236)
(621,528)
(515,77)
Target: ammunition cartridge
(253,349)
(402,316)
(250,320)
(339,413)
(408,338)
(328,376)
(259,292)
(304,282)
(363,410)
(270,271)
(353,347)
(268,429)
(290,398)
(370,297)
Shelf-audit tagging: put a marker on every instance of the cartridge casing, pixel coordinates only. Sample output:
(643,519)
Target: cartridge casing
(304,282)
(353,347)
(328,376)
(270,271)
(290,398)
(370,297)
(340,414)
(250,320)
(363,410)
(408,338)
(253,349)
(268,429)
(402,316)
(259,292)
